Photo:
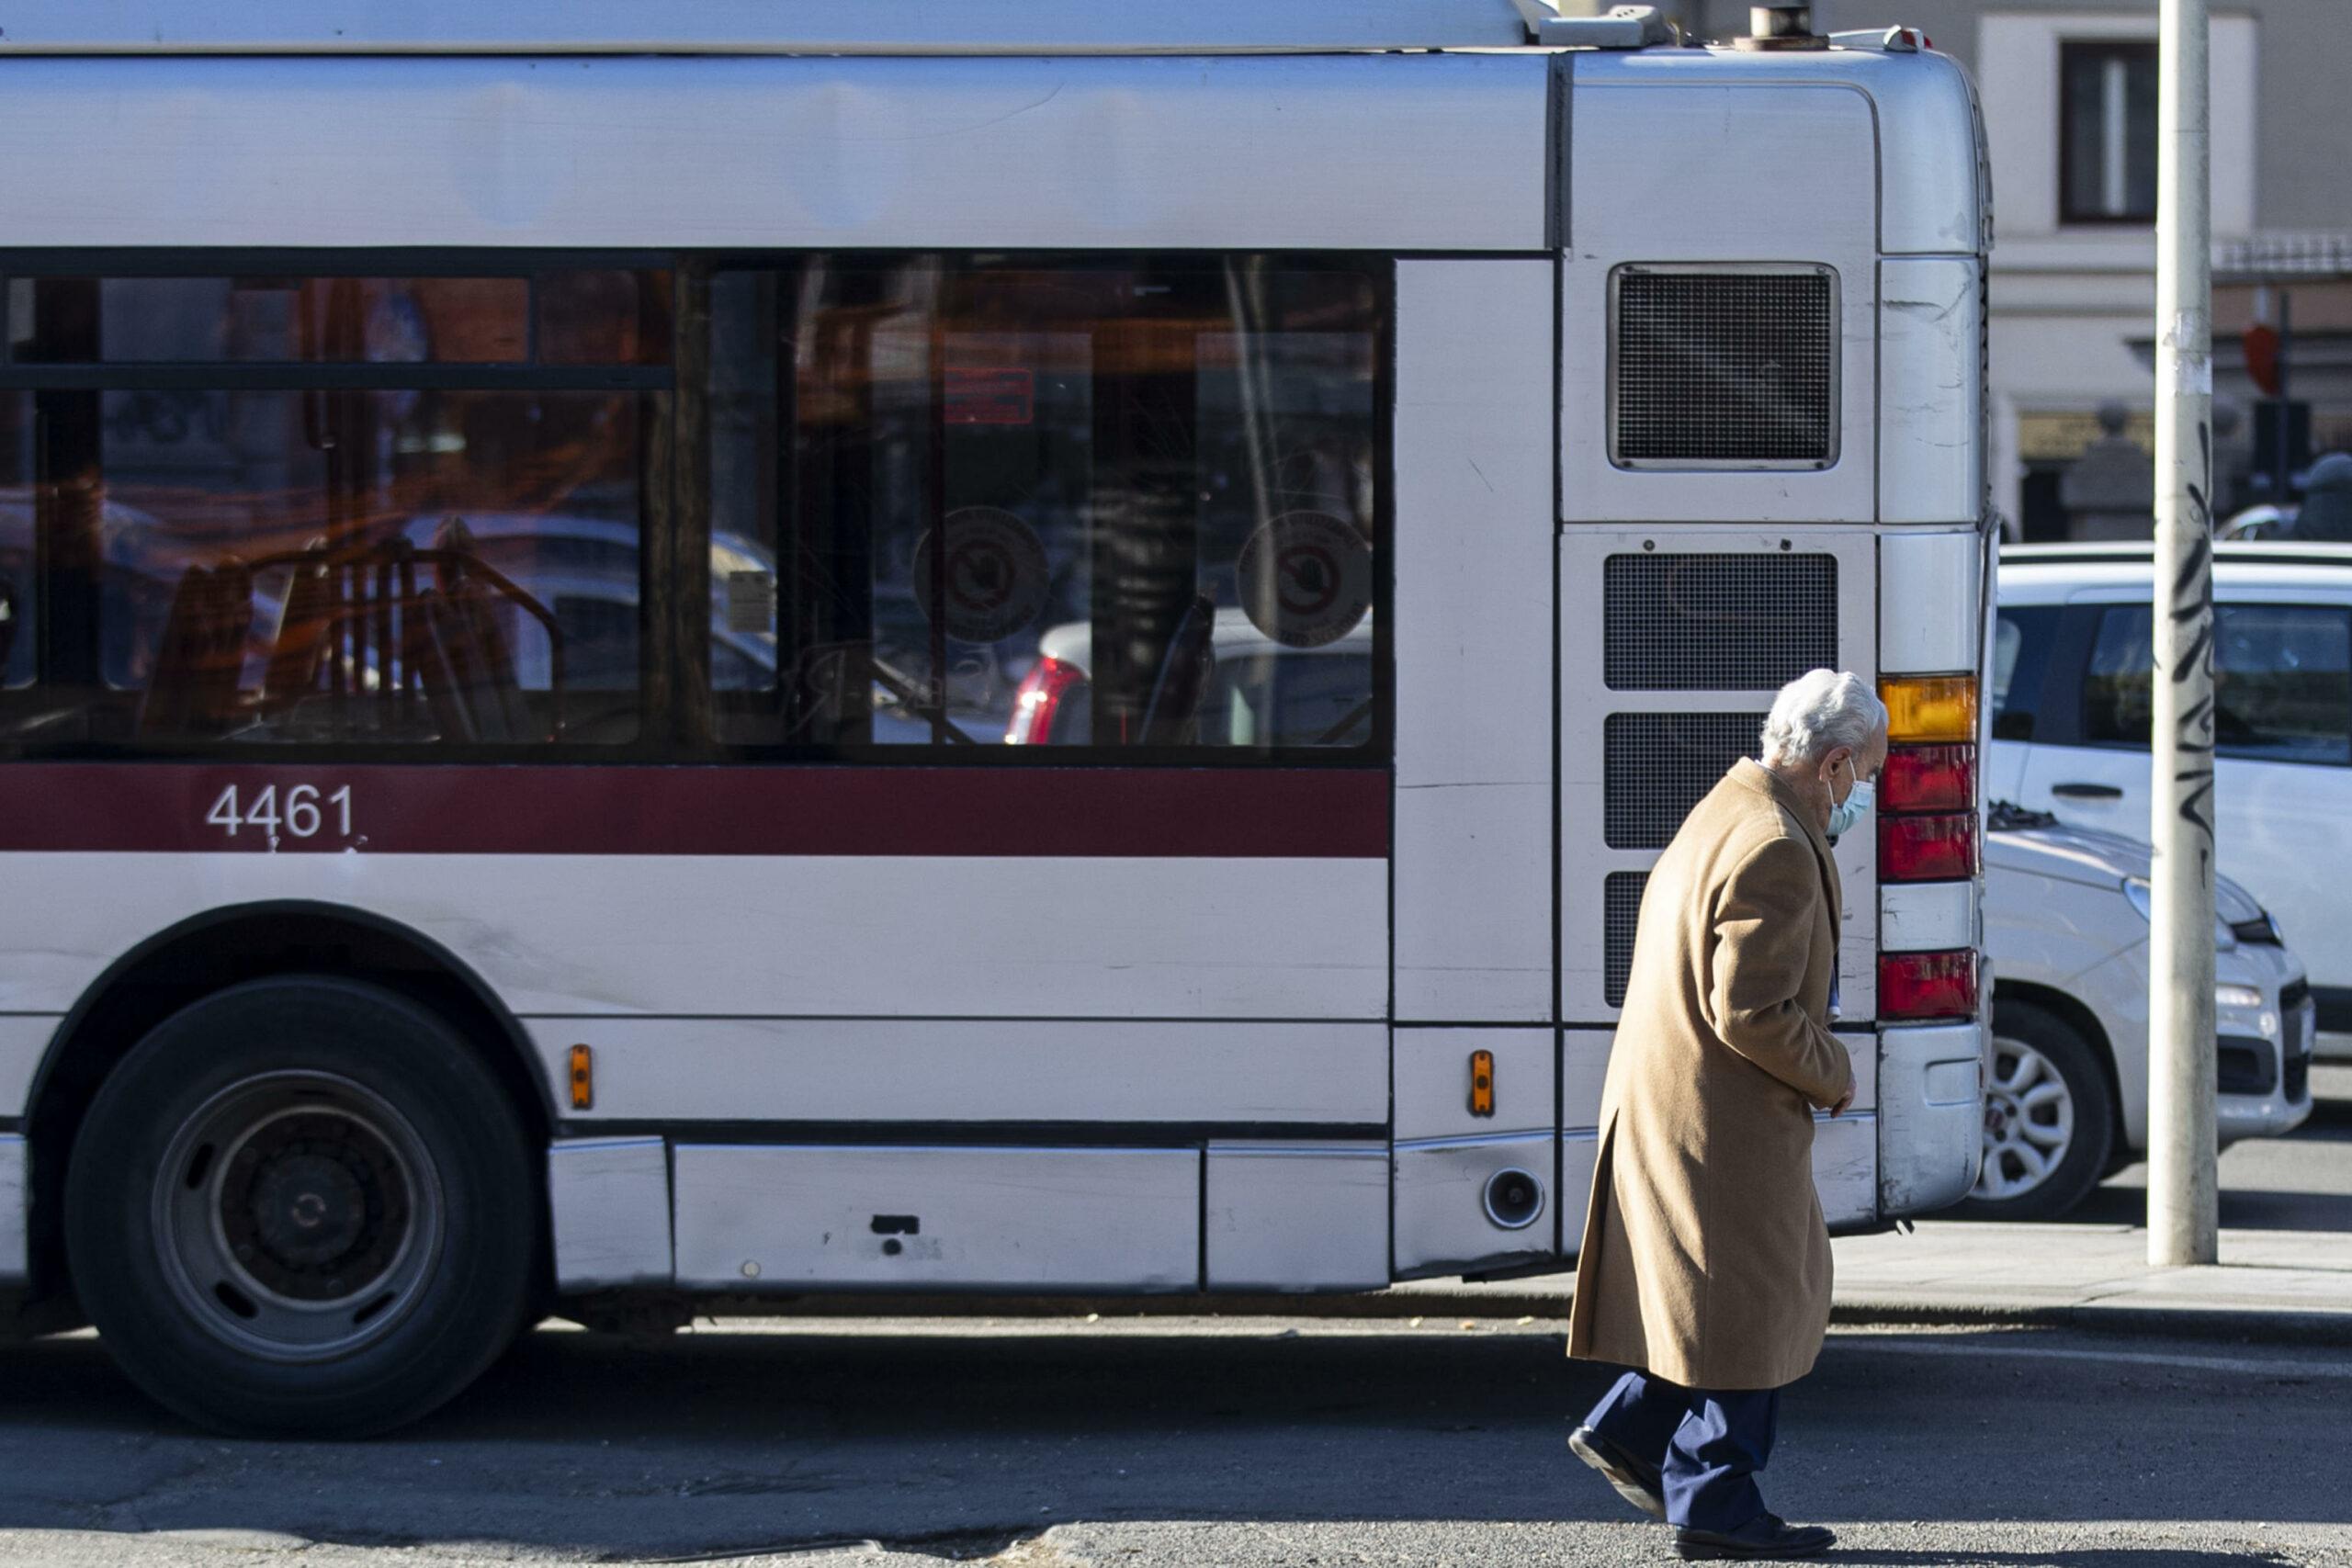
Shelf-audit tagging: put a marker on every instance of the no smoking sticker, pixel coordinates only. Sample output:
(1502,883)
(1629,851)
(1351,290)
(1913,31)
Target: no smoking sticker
(995,581)
(1305,578)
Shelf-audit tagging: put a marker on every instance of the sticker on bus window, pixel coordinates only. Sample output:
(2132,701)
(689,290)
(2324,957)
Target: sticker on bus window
(996,580)
(983,396)
(1305,578)
(750,603)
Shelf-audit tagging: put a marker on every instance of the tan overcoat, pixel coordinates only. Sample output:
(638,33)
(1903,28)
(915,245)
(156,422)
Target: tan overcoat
(1705,1260)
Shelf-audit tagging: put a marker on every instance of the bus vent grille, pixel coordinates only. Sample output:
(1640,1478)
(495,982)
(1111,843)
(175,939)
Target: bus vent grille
(1658,765)
(1724,367)
(1717,623)
(1620,898)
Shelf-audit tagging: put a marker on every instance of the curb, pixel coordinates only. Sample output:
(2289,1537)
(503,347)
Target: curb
(2224,1324)
(2242,1325)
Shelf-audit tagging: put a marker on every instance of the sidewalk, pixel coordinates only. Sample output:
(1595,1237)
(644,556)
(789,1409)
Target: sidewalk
(2277,1285)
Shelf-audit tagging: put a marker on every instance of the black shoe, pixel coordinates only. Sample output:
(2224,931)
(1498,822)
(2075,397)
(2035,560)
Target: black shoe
(1635,1482)
(1763,1536)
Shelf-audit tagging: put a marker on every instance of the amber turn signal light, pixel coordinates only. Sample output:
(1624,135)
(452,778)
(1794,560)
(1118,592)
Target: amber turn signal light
(1929,708)
(584,1078)
(1482,1083)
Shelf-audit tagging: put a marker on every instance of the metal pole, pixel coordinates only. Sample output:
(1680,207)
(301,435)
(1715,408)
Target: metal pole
(2285,433)
(2183,1205)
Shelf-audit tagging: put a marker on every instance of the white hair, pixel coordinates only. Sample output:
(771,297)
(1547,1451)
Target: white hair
(1817,712)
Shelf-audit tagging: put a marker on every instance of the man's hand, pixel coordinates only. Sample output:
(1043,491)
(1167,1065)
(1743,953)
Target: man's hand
(1845,1099)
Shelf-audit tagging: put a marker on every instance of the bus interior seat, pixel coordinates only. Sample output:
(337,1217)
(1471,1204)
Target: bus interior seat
(199,663)
(467,666)
(307,628)
(1186,673)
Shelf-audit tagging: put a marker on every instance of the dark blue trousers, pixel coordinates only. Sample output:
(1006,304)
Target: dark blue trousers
(1708,1444)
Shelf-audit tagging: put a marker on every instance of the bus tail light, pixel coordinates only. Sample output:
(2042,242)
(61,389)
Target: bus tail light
(1914,986)
(1927,793)
(1929,778)
(1039,698)
(1928,709)
(1927,849)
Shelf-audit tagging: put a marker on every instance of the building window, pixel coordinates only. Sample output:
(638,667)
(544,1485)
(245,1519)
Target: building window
(2107,156)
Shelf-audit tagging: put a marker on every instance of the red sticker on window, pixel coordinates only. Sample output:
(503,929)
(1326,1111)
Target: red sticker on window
(1305,578)
(991,397)
(995,579)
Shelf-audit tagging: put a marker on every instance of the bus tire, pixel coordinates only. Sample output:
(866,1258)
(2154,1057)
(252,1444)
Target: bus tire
(2050,1117)
(302,1205)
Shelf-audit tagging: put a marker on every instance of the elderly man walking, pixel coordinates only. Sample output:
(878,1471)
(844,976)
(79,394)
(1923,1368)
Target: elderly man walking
(1705,1264)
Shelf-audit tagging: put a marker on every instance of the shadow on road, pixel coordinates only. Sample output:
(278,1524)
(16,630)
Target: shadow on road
(2169,1555)
(2259,1210)
(717,1440)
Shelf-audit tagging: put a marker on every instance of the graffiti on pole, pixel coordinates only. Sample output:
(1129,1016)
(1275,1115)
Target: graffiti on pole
(2192,602)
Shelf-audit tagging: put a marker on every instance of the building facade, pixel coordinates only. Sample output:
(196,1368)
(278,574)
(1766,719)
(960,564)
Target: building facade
(2069,90)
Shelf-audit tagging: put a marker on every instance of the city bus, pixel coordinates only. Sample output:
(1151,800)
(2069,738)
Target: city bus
(663,663)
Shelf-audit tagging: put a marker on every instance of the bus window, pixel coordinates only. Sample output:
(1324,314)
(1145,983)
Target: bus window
(393,558)
(560,317)
(948,482)
(18,600)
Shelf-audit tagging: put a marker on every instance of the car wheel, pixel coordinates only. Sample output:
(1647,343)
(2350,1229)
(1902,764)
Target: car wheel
(2049,1118)
(302,1205)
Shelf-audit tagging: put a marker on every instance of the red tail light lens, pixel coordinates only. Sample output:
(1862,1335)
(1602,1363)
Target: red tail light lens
(1928,984)
(1929,778)
(1927,849)
(1038,699)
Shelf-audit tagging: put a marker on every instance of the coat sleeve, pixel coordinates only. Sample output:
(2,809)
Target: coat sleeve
(1763,927)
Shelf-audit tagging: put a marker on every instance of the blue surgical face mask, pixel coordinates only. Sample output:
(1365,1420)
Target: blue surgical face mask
(1851,810)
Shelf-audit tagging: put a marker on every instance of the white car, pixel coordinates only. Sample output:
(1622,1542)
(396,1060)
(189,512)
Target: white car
(2071,700)
(2066,1091)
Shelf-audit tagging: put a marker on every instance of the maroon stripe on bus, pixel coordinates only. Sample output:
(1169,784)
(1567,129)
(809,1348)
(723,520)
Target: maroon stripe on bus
(1247,813)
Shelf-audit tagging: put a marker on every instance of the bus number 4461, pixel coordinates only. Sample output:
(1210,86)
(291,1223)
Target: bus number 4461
(303,812)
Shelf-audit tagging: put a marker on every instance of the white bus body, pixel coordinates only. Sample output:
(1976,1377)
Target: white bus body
(866,1005)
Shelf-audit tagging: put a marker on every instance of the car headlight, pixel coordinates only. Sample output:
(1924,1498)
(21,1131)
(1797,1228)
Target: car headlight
(2229,995)
(2144,898)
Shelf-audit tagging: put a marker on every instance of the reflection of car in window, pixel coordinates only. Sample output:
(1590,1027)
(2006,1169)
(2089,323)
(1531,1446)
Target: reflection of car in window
(1261,695)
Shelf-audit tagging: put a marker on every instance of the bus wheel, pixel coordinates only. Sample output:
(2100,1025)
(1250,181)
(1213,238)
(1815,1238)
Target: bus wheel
(2047,1117)
(302,1205)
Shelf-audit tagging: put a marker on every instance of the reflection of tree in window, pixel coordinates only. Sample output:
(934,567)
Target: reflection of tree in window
(2282,681)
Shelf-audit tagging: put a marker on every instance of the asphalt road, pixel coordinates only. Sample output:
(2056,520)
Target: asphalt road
(1183,1443)
(1180,1443)
(2302,1181)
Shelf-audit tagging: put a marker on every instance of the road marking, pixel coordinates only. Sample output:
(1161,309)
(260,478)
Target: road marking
(2239,1364)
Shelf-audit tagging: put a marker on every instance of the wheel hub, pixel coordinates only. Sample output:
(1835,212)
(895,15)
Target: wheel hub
(313,1206)
(292,1217)
(2028,1121)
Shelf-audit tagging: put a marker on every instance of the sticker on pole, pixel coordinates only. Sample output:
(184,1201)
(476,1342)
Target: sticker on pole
(995,581)
(1305,578)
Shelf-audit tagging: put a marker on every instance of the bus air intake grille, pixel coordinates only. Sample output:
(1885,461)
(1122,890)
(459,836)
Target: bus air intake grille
(1621,902)
(1658,765)
(1724,368)
(1716,622)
